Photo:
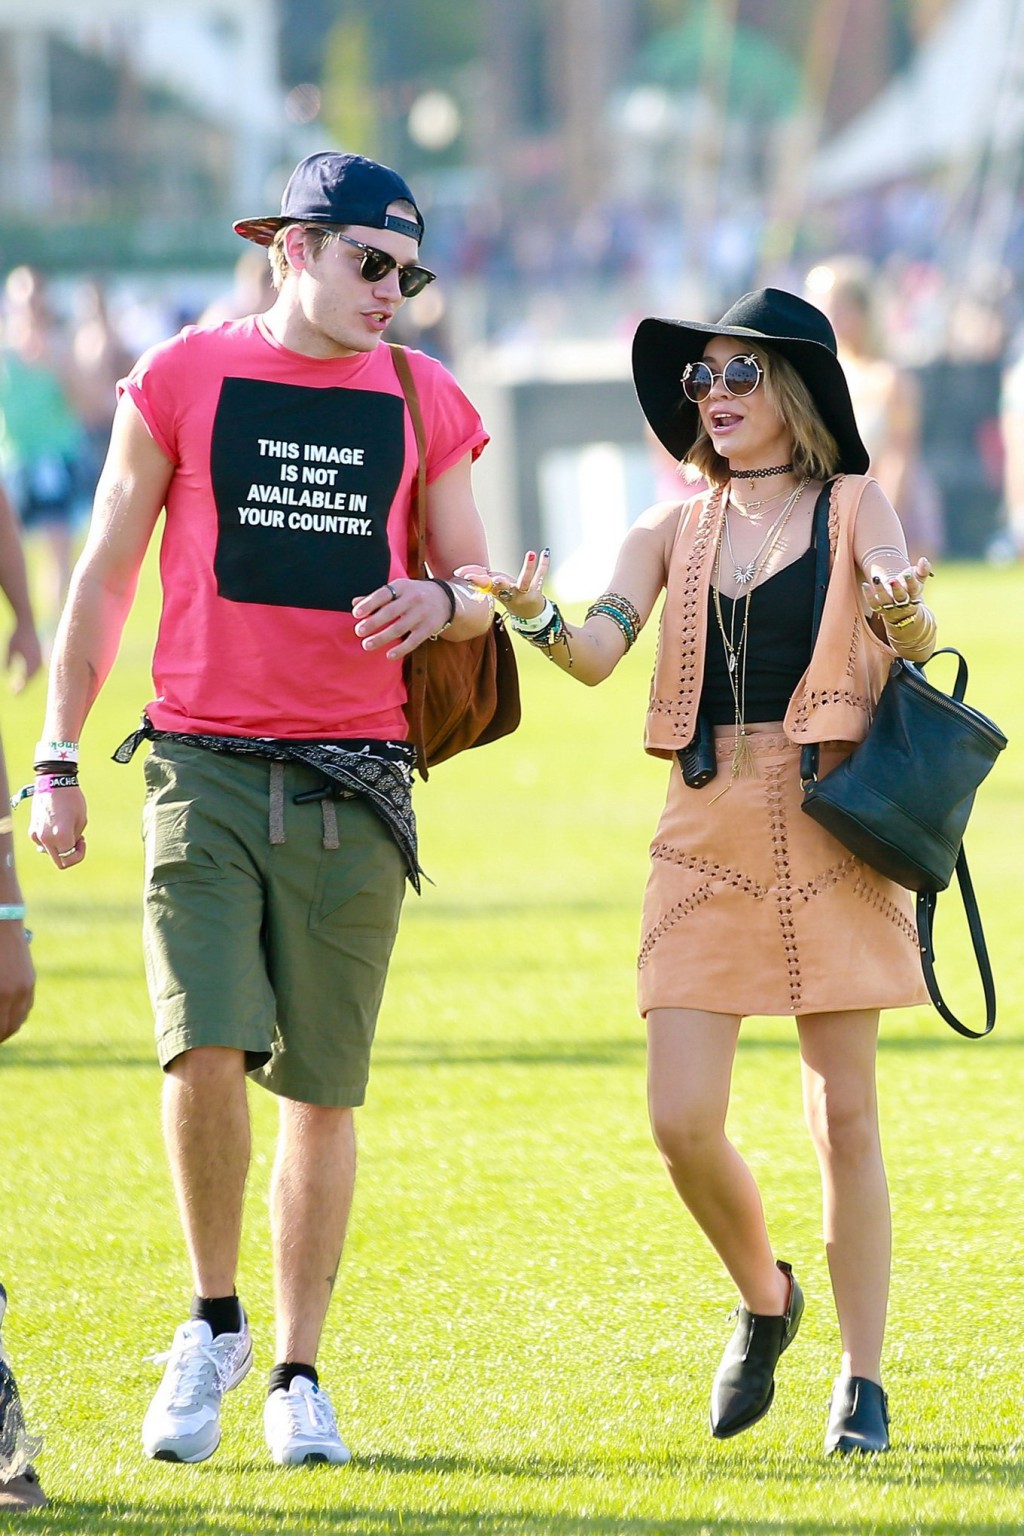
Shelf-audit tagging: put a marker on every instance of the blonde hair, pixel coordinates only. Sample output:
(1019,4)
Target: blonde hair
(317,236)
(815,452)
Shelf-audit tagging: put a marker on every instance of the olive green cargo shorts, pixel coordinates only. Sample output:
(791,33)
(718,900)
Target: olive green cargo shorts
(278,950)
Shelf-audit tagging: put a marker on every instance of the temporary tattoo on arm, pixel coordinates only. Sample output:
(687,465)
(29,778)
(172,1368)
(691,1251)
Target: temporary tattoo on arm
(882,552)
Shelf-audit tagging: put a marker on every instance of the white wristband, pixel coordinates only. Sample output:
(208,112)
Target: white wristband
(56,752)
(537,623)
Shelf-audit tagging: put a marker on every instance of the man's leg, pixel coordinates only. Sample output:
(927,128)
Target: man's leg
(332,915)
(206,1130)
(310,1198)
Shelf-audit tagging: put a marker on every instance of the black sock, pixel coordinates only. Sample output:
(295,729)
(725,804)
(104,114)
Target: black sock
(223,1313)
(283,1375)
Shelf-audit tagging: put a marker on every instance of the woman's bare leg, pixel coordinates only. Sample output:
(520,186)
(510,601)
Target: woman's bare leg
(690,1057)
(838,1051)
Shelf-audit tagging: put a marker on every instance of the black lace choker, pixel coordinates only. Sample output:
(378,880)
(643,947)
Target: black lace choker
(762,474)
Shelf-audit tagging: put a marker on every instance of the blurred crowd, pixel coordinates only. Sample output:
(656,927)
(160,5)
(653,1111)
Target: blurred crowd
(936,371)
(61,355)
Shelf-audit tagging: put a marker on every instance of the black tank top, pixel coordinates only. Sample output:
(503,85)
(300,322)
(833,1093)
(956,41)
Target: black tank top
(778,643)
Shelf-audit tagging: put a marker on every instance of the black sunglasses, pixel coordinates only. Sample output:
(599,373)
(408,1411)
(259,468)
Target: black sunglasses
(377,264)
(741,376)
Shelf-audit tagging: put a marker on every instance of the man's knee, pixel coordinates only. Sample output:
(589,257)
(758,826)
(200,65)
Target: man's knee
(204,1065)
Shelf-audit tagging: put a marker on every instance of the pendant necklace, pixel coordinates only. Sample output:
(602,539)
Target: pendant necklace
(747,509)
(746,575)
(744,764)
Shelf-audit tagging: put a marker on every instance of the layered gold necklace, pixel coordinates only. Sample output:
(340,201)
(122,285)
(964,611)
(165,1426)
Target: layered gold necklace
(746,577)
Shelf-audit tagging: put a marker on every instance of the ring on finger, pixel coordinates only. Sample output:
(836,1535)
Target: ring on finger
(391,589)
(504,593)
(66,854)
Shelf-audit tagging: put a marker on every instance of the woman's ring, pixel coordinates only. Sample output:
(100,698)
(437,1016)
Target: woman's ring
(504,593)
(66,854)
(391,589)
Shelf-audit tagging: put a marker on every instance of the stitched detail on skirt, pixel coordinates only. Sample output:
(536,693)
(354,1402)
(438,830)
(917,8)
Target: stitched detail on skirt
(675,914)
(865,888)
(779,831)
(826,880)
(723,873)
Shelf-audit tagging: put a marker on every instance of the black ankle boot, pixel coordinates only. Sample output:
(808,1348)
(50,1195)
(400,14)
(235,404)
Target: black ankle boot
(744,1383)
(858,1417)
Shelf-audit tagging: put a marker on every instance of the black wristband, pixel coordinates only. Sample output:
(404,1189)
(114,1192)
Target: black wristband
(449,590)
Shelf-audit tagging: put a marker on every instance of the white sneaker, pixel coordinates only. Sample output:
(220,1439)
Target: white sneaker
(182,1422)
(300,1426)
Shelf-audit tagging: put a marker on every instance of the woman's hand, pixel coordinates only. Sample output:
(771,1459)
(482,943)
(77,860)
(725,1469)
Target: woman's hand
(522,596)
(886,595)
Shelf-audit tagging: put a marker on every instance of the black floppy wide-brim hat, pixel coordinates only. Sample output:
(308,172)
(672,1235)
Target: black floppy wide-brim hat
(770,318)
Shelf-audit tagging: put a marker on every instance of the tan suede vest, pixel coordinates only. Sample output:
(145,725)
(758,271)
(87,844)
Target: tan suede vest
(835,698)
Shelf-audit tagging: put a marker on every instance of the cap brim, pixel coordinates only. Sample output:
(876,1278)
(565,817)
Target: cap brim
(262,231)
(662,349)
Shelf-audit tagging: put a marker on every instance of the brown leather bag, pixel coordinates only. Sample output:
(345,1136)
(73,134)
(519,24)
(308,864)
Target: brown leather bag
(460,693)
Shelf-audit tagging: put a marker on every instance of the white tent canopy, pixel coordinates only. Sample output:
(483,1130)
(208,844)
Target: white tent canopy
(963,93)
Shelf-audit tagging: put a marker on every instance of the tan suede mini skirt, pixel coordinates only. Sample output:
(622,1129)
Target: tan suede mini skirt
(753,908)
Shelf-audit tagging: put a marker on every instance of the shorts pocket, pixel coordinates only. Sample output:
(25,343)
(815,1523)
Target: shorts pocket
(175,849)
(362,882)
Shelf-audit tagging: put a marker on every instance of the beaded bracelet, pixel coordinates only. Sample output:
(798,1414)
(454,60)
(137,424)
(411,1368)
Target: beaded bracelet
(625,616)
(625,607)
(49,781)
(554,633)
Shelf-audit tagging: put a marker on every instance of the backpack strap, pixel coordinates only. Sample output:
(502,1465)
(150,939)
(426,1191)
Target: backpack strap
(415,666)
(417,527)
(926,901)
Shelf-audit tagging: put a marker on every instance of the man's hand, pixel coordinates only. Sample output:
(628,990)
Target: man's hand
(57,824)
(401,614)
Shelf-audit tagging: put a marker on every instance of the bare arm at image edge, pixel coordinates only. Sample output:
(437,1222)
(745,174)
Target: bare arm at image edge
(17,977)
(24,654)
(129,498)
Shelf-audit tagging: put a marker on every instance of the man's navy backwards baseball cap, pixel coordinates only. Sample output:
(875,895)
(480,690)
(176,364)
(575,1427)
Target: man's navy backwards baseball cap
(337,189)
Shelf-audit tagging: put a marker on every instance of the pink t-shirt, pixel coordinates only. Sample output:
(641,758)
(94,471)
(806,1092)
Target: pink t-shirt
(290,498)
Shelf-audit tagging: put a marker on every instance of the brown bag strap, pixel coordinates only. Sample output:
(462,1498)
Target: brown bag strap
(417,528)
(415,666)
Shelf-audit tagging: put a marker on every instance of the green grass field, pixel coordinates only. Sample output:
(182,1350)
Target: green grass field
(527,1321)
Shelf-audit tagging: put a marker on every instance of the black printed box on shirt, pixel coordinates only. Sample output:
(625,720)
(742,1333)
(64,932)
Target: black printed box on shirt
(303,481)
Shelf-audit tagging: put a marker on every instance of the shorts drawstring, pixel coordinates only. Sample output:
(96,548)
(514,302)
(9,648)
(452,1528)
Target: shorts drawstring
(328,814)
(276,803)
(330,819)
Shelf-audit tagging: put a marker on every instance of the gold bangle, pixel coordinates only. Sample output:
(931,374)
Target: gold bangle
(6,824)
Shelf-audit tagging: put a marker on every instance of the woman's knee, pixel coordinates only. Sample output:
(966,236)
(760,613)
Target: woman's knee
(685,1135)
(843,1124)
